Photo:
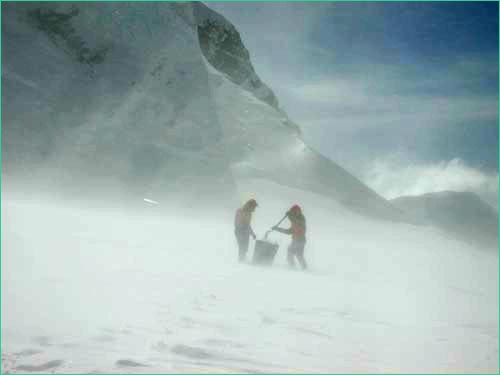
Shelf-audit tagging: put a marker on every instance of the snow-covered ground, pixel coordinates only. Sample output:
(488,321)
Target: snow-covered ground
(98,288)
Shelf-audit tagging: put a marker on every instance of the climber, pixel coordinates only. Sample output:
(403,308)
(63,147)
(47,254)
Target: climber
(298,232)
(242,227)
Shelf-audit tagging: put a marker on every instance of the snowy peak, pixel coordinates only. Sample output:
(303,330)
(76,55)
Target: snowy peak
(154,98)
(462,214)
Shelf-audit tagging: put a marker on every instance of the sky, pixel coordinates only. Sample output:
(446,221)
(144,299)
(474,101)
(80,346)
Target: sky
(403,95)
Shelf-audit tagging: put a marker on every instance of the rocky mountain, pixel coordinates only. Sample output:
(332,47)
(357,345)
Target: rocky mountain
(156,99)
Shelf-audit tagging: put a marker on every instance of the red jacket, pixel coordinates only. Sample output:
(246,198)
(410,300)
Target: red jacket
(297,230)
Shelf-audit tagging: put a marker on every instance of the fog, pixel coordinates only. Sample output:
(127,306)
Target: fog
(140,287)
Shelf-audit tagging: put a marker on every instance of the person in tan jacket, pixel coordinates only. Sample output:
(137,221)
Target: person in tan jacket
(243,228)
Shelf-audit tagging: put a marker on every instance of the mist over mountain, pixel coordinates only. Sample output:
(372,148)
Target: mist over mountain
(157,98)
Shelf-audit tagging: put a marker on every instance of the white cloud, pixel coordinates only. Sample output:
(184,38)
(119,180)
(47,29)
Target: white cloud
(391,177)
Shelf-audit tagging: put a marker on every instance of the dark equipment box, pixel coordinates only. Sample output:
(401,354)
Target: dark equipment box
(264,252)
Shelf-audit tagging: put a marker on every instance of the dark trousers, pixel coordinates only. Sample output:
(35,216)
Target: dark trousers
(243,240)
(296,250)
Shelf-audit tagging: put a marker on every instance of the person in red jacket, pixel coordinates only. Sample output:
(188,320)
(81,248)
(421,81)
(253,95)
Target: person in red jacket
(298,232)
(242,227)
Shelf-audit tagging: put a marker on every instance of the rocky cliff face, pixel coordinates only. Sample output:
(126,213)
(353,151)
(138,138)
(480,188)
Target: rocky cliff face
(221,45)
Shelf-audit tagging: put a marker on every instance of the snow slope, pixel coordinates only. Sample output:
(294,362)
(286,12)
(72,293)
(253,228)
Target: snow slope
(461,214)
(259,143)
(90,288)
(141,115)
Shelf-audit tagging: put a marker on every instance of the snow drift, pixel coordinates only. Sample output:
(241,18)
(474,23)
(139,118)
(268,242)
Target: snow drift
(100,289)
(461,214)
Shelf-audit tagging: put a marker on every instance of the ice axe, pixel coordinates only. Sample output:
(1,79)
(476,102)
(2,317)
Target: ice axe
(270,230)
(284,217)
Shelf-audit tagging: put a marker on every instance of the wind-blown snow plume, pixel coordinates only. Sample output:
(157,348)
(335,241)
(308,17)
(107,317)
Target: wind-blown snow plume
(392,178)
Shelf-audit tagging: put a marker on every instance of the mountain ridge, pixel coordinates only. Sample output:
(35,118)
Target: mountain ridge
(122,93)
(461,214)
